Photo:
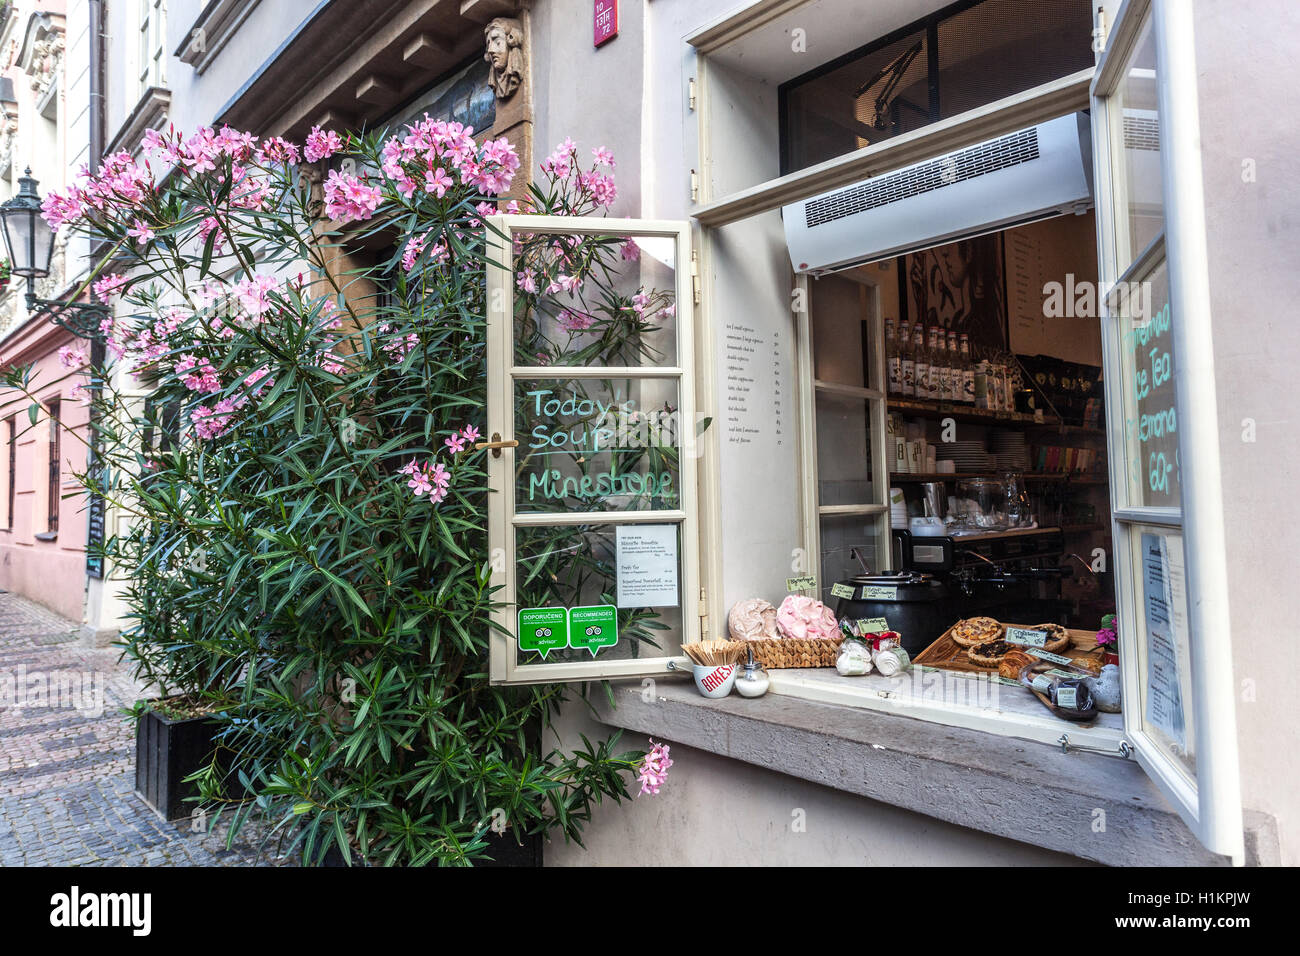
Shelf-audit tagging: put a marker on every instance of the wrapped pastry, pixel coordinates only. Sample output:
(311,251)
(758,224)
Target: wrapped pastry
(752,619)
(805,618)
(854,659)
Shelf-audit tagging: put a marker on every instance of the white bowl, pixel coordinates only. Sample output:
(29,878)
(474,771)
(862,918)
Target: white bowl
(715,680)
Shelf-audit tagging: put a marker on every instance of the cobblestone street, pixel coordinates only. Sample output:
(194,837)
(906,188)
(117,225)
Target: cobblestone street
(67,759)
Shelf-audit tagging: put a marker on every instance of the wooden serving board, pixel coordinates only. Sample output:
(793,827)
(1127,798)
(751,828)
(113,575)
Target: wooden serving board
(947,654)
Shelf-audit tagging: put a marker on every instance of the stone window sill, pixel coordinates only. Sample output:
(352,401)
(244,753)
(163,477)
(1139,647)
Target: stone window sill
(47,536)
(1007,787)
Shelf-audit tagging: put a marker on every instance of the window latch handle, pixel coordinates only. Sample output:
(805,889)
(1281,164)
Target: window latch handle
(496,444)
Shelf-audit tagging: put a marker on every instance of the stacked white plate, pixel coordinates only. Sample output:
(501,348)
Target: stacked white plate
(1009,450)
(967,456)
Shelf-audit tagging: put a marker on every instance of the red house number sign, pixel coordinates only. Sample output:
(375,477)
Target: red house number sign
(604,21)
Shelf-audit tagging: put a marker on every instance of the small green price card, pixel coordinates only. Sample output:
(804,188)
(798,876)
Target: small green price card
(1047,656)
(1026,637)
(593,627)
(805,583)
(842,591)
(543,629)
(873,625)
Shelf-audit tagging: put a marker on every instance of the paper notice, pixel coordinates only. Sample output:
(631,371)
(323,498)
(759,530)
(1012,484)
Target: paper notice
(647,565)
(1162,587)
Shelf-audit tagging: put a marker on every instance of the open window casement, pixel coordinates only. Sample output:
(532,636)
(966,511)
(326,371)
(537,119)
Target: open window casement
(1175,652)
(593,435)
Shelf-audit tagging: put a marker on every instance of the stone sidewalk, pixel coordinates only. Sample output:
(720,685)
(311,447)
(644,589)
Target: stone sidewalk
(67,758)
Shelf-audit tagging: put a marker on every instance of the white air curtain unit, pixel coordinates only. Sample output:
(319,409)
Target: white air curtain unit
(1034,173)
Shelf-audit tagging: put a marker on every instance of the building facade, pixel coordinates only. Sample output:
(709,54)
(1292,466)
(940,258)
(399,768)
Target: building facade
(723,114)
(45,92)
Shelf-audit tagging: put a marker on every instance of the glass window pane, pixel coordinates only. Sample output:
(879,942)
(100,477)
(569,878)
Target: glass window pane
(841,536)
(842,316)
(986,52)
(597,445)
(1139,211)
(1163,642)
(575,568)
(1148,366)
(595,300)
(845,459)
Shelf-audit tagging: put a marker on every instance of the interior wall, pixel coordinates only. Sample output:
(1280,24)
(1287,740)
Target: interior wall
(1061,250)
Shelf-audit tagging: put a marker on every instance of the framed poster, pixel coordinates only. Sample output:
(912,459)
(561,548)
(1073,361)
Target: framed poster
(959,286)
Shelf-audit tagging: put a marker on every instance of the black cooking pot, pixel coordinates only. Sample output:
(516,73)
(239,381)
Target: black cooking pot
(917,606)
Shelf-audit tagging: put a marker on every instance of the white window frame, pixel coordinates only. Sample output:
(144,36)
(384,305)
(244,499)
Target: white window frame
(151,29)
(503,519)
(1210,804)
(1213,809)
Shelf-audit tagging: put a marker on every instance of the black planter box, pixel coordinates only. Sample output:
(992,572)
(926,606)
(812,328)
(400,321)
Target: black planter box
(507,852)
(166,752)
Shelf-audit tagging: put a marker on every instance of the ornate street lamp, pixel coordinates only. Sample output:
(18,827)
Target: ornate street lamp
(29,240)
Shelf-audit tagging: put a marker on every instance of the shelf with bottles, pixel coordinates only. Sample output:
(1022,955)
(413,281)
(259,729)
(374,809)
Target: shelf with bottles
(938,369)
(911,476)
(964,413)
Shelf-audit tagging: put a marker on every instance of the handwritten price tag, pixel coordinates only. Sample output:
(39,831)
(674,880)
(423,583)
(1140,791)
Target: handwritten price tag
(876,592)
(1026,637)
(1048,656)
(873,625)
(842,591)
(805,583)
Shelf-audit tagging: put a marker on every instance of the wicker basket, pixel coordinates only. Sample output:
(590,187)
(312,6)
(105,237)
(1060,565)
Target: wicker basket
(796,653)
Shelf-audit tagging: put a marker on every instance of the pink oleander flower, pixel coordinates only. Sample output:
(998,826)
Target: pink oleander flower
(252,295)
(72,357)
(432,479)
(321,144)
(639,302)
(526,280)
(108,286)
(603,156)
(653,771)
(202,376)
(575,321)
(630,251)
(456,442)
(438,182)
(141,231)
(277,150)
(470,433)
(348,198)
(212,422)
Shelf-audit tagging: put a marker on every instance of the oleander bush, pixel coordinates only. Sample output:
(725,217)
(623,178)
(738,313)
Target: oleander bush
(307,558)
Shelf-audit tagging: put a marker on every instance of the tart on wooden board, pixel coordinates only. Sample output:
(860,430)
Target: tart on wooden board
(990,653)
(977,630)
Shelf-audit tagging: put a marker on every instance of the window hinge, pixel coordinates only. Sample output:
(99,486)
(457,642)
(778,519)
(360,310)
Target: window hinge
(704,615)
(695,289)
(690,94)
(695,186)
(1099,31)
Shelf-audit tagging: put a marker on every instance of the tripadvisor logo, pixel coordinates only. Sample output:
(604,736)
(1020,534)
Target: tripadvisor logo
(102,909)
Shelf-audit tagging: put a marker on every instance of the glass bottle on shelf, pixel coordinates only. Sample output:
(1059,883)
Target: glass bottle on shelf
(893,359)
(907,363)
(954,369)
(943,362)
(920,362)
(967,372)
(935,389)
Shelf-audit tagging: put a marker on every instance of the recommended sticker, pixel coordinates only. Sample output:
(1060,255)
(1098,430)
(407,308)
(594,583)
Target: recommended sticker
(593,628)
(805,583)
(543,629)
(1026,637)
(842,591)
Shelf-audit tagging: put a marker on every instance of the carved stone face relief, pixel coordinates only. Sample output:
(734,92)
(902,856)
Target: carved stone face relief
(504,53)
